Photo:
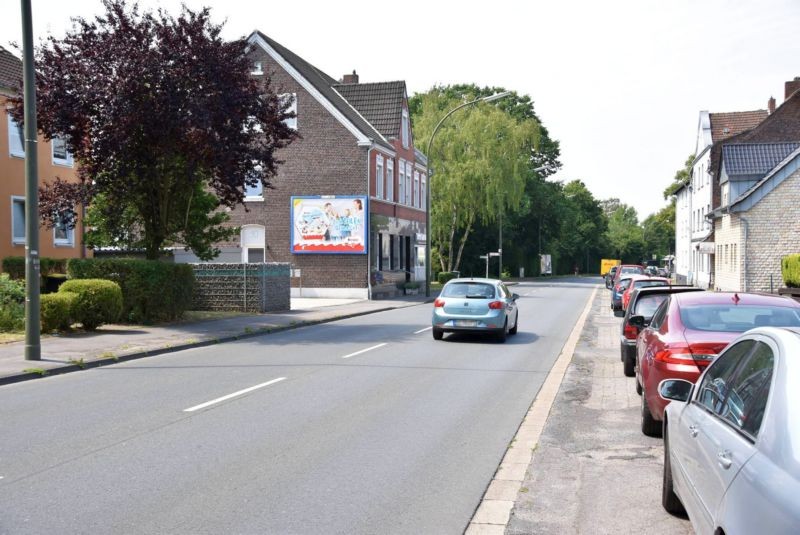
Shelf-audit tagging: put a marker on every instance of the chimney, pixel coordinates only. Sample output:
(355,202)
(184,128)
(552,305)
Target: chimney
(791,87)
(771,105)
(353,78)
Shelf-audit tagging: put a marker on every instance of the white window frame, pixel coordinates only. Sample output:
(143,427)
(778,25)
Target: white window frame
(65,162)
(15,132)
(409,178)
(69,241)
(252,240)
(258,68)
(390,179)
(16,240)
(415,199)
(254,193)
(405,129)
(379,176)
(401,183)
(423,191)
(291,123)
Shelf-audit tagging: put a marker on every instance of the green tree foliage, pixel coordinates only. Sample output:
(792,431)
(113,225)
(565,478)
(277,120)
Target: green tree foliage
(625,238)
(481,160)
(682,177)
(658,231)
(583,227)
(165,122)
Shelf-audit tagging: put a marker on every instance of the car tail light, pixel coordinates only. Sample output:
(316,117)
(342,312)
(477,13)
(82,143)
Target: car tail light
(438,303)
(496,305)
(699,354)
(630,332)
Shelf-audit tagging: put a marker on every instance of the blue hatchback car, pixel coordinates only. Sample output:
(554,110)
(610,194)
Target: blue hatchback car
(475,305)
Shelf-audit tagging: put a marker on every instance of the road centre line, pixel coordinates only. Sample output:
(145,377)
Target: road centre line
(235,394)
(423,330)
(363,351)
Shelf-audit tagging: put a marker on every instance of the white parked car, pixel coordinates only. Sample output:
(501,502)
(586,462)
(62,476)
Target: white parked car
(732,440)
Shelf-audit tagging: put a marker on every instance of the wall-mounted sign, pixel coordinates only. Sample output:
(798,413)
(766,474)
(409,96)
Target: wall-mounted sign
(329,224)
(706,247)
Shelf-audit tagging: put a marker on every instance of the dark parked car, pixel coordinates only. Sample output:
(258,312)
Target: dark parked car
(609,277)
(617,291)
(643,302)
(689,330)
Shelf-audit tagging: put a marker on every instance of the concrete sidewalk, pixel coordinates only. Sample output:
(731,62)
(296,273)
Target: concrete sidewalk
(116,343)
(592,470)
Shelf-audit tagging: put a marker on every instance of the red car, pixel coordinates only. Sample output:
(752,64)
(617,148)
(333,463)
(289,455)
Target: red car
(626,269)
(689,330)
(641,281)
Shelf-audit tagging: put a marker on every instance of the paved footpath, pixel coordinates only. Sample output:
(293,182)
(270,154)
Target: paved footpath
(593,471)
(116,343)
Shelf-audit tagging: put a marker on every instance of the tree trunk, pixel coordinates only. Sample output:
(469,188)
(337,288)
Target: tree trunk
(452,239)
(464,241)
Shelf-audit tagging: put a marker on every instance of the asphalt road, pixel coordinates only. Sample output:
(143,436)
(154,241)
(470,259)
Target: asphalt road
(365,425)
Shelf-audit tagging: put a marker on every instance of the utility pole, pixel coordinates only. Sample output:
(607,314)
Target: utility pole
(33,350)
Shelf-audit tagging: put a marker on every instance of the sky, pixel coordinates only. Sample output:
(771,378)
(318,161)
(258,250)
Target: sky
(619,83)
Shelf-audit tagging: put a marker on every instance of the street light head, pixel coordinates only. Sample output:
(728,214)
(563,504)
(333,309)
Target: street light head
(498,96)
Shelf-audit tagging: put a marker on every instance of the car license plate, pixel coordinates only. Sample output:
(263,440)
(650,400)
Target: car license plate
(466,323)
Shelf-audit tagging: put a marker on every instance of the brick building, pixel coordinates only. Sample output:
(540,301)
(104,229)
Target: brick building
(756,216)
(54,161)
(355,158)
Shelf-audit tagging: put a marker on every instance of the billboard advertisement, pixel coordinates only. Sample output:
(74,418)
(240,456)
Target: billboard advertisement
(327,224)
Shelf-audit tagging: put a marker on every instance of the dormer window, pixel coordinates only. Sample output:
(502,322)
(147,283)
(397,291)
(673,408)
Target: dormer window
(406,130)
(257,68)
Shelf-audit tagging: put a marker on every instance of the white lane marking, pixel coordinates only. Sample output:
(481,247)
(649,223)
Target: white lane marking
(229,396)
(423,330)
(363,351)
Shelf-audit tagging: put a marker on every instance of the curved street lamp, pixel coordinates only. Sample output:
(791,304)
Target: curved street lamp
(428,235)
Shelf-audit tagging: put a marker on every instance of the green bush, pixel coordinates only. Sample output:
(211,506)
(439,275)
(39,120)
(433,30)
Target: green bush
(96,301)
(152,291)
(15,266)
(790,269)
(12,304)
(56,311)
(445,276)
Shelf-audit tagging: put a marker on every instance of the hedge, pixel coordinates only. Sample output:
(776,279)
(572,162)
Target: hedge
(12,304)
(15,266)
(445,276)
(152,291)
(57,311)
(96,301)
(790,269)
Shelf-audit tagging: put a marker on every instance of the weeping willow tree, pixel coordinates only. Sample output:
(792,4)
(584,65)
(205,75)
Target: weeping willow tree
(480,159)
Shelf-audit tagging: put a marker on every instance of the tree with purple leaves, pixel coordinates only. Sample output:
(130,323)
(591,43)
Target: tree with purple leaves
(166,123)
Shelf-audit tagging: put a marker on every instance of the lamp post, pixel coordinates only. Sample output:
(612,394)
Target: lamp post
(428,235)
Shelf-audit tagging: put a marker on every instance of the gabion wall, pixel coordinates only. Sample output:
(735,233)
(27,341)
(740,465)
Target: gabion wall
(263,287)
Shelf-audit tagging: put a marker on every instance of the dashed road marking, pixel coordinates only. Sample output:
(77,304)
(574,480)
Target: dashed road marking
(364,351)
(235,394)
(423,330)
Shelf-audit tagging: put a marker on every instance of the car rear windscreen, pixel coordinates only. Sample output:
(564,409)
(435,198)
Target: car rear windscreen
(646,305)
(632,269)
(472,290)
(737,318)
(646,283)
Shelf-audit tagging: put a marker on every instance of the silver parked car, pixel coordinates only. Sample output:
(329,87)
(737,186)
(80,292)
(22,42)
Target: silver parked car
(732,440)
(475,305)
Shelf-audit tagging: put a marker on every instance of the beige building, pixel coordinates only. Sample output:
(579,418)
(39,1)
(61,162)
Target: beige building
(54,161)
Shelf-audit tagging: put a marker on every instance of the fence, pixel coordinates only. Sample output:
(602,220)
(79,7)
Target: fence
(261,287)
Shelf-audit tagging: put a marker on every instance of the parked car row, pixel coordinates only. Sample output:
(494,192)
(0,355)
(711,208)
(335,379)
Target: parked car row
(719,378)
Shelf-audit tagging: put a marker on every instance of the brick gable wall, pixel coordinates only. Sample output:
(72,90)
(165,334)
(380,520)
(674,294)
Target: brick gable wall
(326,161)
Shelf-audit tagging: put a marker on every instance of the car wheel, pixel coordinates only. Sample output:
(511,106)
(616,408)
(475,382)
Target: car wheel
(650,426)
(502,335)
(513,329)
(672,504)
(628,367)
(437,334)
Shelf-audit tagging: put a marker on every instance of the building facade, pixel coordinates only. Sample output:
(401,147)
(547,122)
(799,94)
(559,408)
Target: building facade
(53,161)
(348,205)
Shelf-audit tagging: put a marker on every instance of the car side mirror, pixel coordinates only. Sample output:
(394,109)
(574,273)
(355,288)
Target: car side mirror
(514,297)
(675,389)
(637,321)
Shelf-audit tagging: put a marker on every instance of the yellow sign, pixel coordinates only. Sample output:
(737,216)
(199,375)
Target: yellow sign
(606,265)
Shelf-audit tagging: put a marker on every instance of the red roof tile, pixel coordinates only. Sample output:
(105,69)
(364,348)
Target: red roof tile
(725,125)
